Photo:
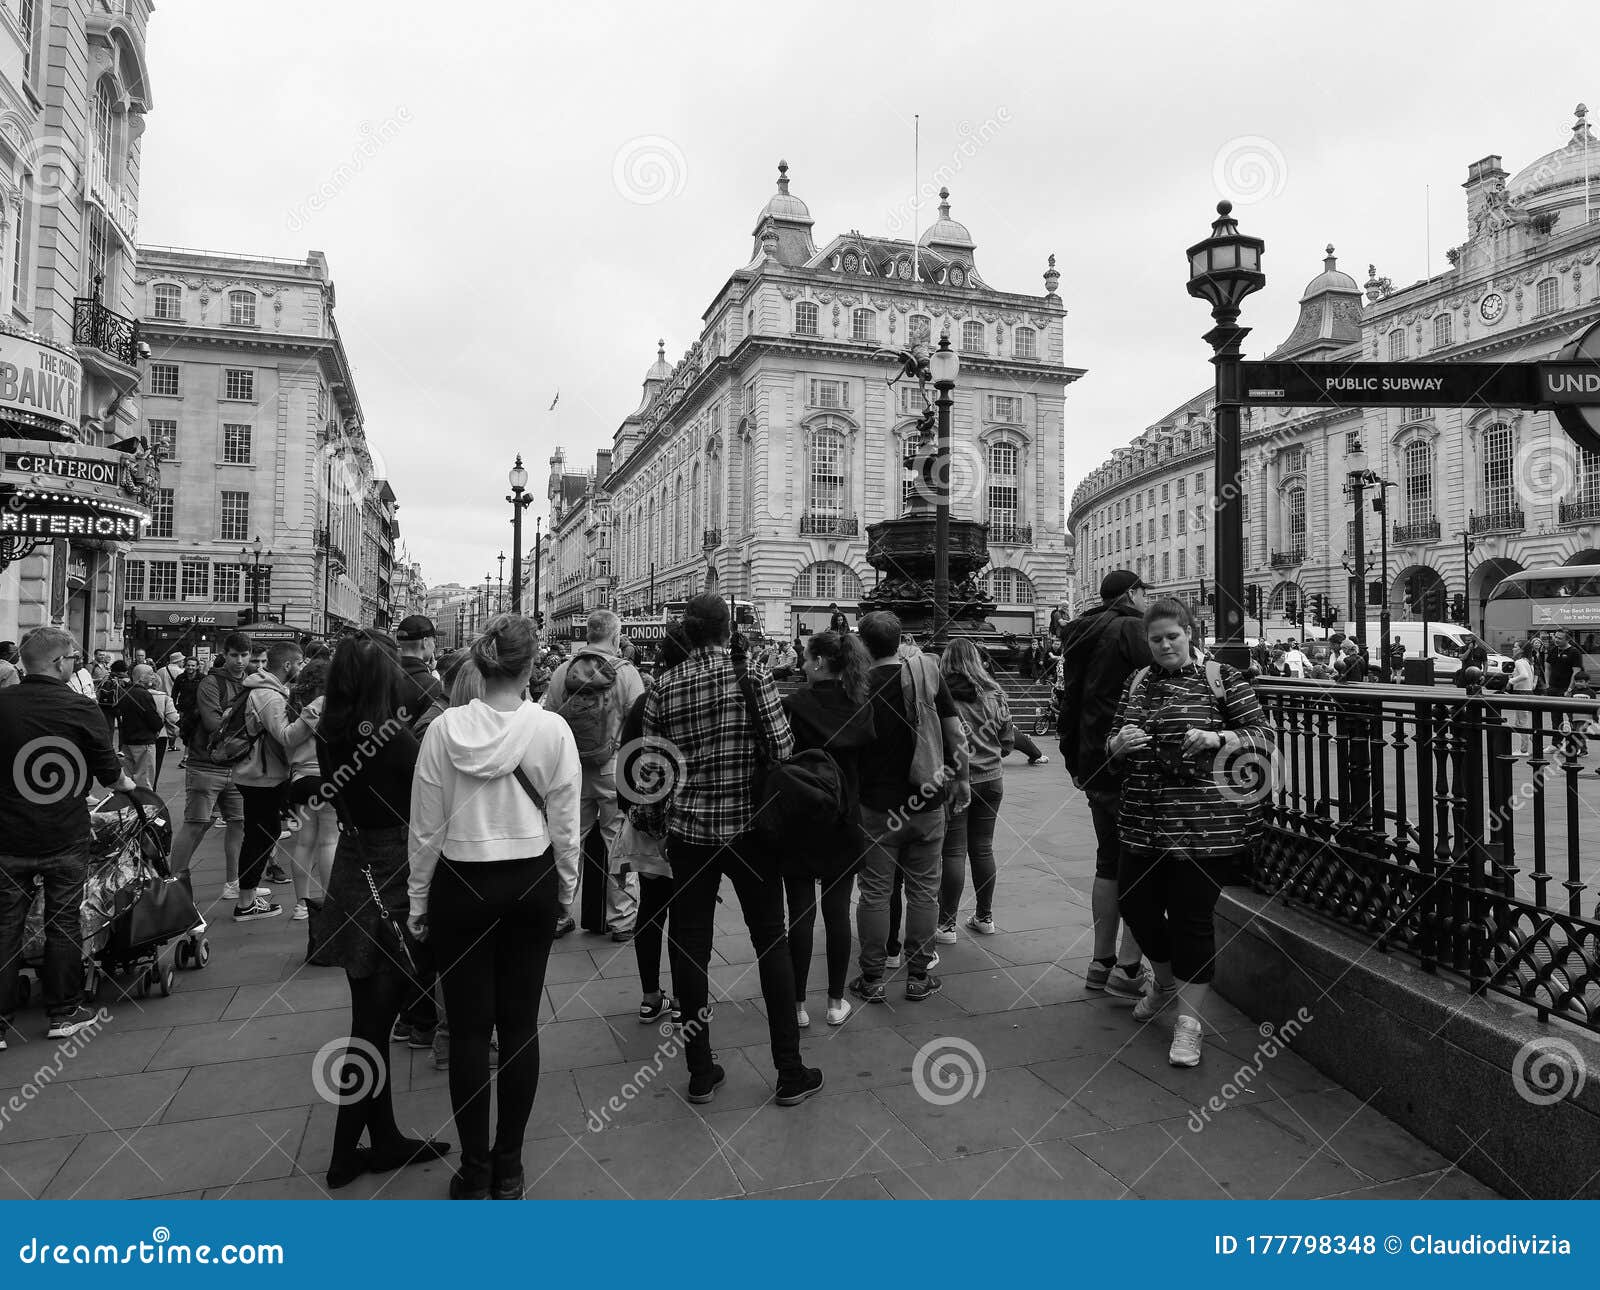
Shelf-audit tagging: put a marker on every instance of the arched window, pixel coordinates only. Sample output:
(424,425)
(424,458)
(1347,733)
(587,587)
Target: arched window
(920,331)
(104,100)
(825,493)
(904,442)
(747,482)
(1025,341)
(716,490)
(652,534)
(696,533)
(1499,487)
(827,580)
(1588,477)
(677,518)
(1443,331)
(1294,505)
(805,319)
(1397,345)
(972,338)
(241,309)
(1419,482)
(1548,299)
(864,325)
(168,301)
(1003,496)
(1009,587)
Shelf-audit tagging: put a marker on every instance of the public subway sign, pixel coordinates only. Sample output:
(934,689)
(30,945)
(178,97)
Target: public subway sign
(39,379)
(1399,384)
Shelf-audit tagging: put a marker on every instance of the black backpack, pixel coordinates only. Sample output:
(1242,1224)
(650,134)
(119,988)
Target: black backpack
(799,799)
(232,741)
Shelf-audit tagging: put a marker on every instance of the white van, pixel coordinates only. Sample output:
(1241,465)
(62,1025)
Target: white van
(1445,644)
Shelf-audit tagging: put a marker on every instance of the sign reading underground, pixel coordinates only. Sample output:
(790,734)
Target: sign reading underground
(37,382)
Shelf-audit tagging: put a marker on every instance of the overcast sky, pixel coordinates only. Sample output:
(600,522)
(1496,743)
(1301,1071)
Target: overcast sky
(533,194)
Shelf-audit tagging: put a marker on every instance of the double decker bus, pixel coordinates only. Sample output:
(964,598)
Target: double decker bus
(1559,598)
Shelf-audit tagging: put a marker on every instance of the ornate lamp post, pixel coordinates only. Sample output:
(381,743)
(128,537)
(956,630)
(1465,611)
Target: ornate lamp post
(500,587)
(1223,270)
(520,500)
(250,556)
(944,366)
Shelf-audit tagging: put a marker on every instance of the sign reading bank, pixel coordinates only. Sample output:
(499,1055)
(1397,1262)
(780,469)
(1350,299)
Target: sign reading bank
(38,380)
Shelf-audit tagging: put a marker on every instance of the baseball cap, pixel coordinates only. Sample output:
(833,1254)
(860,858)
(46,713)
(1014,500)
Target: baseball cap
(415,627)
(1120,581)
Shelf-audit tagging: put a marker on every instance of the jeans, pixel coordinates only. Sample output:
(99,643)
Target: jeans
(1103,808)
(1026,746)
(801,894)
(597,805)
(697,872)
(1168,899)
(970,833)
(64,873)
(491,925)
(263,821)
(139,761)
(655,901)
(899,842)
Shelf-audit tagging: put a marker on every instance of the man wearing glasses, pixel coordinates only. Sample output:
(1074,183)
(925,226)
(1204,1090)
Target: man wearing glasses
(53,740)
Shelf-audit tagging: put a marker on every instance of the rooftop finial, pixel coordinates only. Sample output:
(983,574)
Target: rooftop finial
(944,203)
(783,176)
(1580,127)
(1330,263)
(661,350)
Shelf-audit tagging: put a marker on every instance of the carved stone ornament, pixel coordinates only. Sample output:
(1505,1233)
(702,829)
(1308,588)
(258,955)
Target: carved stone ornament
(826,297)
(789,293)
(1041,321)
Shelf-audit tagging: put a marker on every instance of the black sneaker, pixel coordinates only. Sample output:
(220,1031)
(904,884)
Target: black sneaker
(419,1039)
(80,1018)
(868,991)
(919,988)
(702,1088)
(564,925)
(260,907)
(276,873)
(795,1089)
(623,936)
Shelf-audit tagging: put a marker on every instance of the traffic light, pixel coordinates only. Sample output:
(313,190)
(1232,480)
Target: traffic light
(1252,601)
(1458,608)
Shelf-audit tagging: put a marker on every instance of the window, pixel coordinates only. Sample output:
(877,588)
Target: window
(1166,526)
(1005,407)
(1166,566)
(236,444)
(747,492)
(1200,482)
(163,580)
(1200,559)
(972,337)
(911,404)
(132,580)
(168,301)
(864,325)
(25,20)
(805,318)
(1499,488)
(241,309)
(227,583)
(1183,522)
(1548,299)
(102,130)
(1166,495)
(1009,586)
(196,580)
(919,331)
(1024,342)
(1588,476)
(239,384)
(1397,344)
(827,473)
(1138,532)
(1294,502)
(161,514)
(830,394)
(1152,499)
(163,436)
(164,378)
(1443,331)
(96,263)
(235,517)
(1182,483)
(1418,483)
(827,580)
(1183,561)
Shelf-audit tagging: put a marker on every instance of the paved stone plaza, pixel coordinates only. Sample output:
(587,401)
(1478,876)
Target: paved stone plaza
(210,1093)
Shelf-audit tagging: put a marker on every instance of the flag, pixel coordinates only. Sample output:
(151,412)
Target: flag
(555,401)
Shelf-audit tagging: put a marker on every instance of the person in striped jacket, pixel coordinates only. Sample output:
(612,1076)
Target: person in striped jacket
(1196,752)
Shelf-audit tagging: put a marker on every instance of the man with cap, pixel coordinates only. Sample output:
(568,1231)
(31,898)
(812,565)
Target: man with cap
(1100,650)
(421,694)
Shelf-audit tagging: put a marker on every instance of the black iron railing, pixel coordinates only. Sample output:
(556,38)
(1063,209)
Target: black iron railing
(106,330)
(1586,510)
(1505,520)
(1405,815)
(1421,531)
(1282,559)
(711,539)
(829,525)
(1008,534)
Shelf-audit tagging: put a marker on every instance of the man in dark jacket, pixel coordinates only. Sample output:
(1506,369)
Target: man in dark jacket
(1100,650)
(422,695)
(52,742)
(209,789)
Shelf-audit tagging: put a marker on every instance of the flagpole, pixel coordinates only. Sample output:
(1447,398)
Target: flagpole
(916,191)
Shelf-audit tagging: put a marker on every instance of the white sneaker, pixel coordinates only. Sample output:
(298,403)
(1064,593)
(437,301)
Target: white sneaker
(302,911)
(983,926)
(933,960)
(230,891)
(1040,760)
(894,961)
(945,933)
(1185,1050)
(802,1016)
(837,1015)
(1154,1000)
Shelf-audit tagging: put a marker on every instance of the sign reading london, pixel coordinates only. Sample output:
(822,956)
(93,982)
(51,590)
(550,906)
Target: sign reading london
(38,380)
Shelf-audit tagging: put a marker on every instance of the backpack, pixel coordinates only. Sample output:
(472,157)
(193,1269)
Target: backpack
(590,709)
(1213,671)
(232,741)
(138,718)
(797,799)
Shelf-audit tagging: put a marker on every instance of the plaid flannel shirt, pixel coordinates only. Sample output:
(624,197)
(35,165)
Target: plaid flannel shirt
(698,709)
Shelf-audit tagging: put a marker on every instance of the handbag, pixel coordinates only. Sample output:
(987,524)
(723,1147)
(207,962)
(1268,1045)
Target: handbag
(393,939)
(162,911)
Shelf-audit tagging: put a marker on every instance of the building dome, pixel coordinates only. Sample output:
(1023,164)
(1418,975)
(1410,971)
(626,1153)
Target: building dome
(1568,167)
(783,205)
(1330,279)
(660,370)
(945,231)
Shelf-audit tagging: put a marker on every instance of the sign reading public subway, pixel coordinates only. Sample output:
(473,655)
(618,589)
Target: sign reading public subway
(37,379)
(1516,384)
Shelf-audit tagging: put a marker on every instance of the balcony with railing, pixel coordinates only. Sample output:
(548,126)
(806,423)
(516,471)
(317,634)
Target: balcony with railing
(1506,519)
(829,526)
(1585,510)
(1284,559)
(105,331)
(1419,531)
(711,539)
(1010,533)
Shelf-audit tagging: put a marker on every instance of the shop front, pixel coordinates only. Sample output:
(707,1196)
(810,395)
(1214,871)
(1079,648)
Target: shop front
(195,631)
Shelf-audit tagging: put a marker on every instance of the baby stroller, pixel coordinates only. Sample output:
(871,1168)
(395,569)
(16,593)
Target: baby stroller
(132,905)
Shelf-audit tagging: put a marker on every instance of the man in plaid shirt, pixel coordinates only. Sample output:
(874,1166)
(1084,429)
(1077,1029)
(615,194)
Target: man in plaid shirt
(699,716)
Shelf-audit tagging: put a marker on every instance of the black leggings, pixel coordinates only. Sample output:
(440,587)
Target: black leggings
(374,1004)
(650,929)
(1168,899)
(491,924)
(801,894)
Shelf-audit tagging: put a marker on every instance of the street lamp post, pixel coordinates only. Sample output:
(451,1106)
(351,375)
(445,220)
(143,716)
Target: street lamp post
(1223,270)
(1467,545)
(538,559)
(943,366)
(251,555)
(500,586)
(520,500)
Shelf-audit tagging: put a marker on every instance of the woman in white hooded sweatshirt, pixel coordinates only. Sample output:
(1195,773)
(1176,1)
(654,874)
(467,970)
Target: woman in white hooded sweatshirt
(494,859)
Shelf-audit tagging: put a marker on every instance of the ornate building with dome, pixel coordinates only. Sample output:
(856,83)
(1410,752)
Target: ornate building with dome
(1478,493)
(754,464)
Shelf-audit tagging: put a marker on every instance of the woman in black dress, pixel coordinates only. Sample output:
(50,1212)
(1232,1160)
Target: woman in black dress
(367,756)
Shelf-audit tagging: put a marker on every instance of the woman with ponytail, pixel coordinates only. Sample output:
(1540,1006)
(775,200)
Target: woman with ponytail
(832,712)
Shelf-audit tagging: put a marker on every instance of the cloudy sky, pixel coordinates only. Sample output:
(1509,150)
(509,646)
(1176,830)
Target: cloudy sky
(532,194)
